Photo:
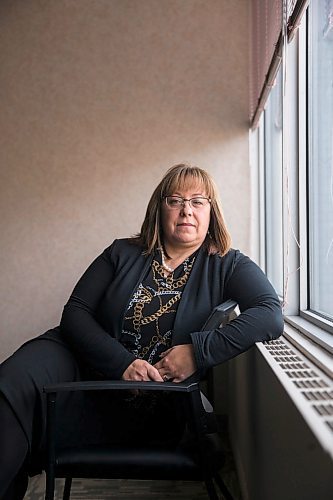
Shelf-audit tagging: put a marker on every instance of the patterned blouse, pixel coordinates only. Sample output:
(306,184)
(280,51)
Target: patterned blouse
(149,319)
(147,332)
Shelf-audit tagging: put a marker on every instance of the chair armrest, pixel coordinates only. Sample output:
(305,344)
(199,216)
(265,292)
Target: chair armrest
(120,385)
(203,420)
(191,389)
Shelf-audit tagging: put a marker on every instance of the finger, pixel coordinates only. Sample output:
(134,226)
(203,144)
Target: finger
(154,374)
(165,353)
(139,376)
(164,370)
(158,365)
(180,377)
(168,378)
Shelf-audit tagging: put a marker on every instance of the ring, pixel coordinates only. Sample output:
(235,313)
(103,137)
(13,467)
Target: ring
(165,378)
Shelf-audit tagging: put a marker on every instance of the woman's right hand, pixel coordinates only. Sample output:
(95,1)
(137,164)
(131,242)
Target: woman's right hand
(140,370)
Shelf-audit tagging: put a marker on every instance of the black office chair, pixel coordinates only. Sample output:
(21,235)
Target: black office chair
(199,461)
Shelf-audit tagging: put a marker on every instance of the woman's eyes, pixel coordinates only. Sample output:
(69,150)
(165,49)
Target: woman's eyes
(175,202)
(196,202)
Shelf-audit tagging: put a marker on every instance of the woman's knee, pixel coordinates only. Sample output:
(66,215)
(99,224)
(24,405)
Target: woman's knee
(44,359)
(36,364)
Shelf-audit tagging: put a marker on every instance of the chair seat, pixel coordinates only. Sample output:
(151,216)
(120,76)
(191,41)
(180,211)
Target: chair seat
(111,461)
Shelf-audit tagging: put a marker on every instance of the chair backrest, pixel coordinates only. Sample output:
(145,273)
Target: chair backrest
(221,315)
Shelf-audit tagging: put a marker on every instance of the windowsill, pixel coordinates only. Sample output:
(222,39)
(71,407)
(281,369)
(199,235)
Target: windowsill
(314,342)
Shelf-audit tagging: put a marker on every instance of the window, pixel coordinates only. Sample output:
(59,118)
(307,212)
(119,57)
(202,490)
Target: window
(295,162)
(273,186)
(320,159)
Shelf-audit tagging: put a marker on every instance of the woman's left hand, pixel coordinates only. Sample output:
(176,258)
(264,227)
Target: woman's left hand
(177,363)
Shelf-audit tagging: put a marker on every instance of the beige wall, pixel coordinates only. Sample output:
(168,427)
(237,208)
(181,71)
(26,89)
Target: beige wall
(98,99)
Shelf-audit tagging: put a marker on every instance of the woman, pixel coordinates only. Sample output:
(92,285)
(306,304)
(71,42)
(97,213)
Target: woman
(136,314)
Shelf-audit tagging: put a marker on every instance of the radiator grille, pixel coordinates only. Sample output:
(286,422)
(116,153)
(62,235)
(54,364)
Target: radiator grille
(316,391)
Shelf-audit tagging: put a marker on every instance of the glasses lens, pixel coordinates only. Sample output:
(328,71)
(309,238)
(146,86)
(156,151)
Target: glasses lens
(198,202)
(174,201)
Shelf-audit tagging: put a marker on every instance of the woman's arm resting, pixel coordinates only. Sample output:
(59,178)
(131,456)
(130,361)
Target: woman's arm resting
(96,347)
(260,319)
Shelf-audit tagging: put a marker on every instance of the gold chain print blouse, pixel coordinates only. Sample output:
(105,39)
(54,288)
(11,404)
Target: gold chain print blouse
(149,319)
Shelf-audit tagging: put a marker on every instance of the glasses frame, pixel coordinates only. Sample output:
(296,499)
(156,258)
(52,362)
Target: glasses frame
(184,200)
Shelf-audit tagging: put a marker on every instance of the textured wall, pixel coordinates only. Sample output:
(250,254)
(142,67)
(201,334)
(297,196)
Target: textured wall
(98,99)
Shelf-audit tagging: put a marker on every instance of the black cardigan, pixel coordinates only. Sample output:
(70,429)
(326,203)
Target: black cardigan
(92,318)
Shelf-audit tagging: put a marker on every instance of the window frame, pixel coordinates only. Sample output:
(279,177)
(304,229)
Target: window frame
(267,154)
(311,333)
(317,322)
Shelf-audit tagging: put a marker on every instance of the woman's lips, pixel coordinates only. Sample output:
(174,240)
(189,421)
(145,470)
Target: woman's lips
(186,224)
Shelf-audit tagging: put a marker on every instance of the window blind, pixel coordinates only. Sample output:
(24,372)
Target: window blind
(270,19)
(296,8)
(265,51)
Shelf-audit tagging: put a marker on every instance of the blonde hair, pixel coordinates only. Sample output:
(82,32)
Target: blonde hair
(151,235)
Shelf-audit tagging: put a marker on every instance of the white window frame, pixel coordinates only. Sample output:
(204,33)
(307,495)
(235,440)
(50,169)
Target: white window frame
(305,313)
(310,333)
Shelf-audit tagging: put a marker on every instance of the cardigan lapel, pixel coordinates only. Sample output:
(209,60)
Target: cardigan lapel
(196,301)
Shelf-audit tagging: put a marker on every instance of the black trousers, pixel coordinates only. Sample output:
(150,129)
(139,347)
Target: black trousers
(41,361)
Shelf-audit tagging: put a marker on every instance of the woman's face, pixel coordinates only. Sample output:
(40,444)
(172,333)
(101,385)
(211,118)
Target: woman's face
(185,227)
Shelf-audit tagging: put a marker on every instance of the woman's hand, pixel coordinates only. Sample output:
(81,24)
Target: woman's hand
(177,363)
(140,370)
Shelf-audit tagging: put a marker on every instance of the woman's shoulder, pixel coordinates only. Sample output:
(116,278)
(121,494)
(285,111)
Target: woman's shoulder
(124,247)
(233,260)
(233,255)
(236,263)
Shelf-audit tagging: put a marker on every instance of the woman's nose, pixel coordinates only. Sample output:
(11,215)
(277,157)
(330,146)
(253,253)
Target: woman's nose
(186,208)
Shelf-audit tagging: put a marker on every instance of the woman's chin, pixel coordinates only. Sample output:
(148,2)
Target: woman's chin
(185,241)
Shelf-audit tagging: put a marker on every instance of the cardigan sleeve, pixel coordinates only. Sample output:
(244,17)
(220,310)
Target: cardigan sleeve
(93,345)
(260,319)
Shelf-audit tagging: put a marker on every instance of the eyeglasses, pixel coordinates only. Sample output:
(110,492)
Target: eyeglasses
(177,202)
